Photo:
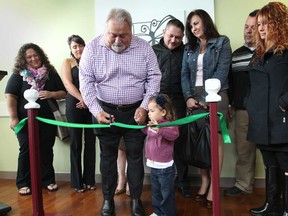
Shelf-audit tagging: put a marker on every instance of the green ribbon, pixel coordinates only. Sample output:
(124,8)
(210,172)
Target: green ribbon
(177,122)
(20,125)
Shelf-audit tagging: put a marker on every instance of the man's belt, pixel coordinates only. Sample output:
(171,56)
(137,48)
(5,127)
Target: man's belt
(123,107)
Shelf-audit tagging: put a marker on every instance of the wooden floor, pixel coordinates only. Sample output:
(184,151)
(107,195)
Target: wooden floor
(67,202)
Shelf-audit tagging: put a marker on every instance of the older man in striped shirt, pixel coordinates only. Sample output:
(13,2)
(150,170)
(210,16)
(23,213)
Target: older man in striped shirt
(118,74)
(238,87)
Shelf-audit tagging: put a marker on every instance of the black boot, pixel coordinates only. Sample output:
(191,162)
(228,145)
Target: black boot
(285,196)
(272,204)
(137,208)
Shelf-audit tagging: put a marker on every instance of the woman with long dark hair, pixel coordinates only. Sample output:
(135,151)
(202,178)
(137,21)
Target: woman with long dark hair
(207,55)
(77,112)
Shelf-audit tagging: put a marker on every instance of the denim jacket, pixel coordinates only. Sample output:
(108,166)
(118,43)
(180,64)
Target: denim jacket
(216,64)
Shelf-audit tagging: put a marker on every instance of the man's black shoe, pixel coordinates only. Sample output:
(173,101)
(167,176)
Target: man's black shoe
(233,191)
(137,208)
(185,191)
(108,208)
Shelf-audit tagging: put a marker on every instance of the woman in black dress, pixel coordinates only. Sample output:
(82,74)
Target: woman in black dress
(77,112)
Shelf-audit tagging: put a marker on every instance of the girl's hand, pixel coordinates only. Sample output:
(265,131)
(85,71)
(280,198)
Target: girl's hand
(153,122)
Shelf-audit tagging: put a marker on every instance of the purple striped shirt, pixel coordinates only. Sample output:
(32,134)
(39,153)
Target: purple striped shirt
(118,78)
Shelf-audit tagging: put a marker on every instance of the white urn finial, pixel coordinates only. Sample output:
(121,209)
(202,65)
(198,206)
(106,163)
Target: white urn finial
(212,87)
(31,95)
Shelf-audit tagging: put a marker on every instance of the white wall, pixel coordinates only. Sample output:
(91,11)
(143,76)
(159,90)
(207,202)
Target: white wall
(143,12)
(48,24)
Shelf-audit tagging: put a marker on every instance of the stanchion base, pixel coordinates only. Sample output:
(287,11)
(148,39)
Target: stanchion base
(4,208)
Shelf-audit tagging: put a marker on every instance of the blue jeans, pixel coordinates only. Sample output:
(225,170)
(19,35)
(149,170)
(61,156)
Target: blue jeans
(163,195)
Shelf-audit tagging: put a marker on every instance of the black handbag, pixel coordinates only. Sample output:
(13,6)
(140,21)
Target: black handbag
(198,150)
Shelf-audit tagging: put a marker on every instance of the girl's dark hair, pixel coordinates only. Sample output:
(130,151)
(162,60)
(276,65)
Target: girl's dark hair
(76,39)
(210,29)
(164,102)
(20,60)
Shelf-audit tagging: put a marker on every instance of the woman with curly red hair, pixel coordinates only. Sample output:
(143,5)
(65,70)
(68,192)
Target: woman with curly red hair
(268,102)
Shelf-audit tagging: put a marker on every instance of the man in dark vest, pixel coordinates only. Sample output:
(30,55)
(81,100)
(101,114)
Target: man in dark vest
(169,53)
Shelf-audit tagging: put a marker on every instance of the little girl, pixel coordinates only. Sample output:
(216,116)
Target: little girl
(159,153)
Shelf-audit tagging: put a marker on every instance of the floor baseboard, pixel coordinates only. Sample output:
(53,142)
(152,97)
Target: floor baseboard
(195,179)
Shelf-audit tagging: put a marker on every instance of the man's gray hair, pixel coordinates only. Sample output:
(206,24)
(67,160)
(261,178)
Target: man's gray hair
(120,15)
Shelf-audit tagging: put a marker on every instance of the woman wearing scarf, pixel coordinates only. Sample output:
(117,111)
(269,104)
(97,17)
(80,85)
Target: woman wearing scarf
(32,70)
